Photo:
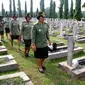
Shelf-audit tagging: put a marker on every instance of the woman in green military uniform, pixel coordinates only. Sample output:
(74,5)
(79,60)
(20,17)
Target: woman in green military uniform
(15,31)
(26,33)
(7,26)
(2,28)
(40,36)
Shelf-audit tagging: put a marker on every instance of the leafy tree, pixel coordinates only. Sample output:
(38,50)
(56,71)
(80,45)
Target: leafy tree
(19,8)
(83,5)
(42,5)
(47,10)
(10,7)
(51,9)
(66,9)
(83,14)
(3,11)
(71,9)
(25,8)
(14,8)
(77,14)
(61,9)
(6,13)
(37,11)
(54,8)
(31,8)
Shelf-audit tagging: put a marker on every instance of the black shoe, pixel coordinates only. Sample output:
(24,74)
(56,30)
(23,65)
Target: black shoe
(3,40)
(26,55)
(29,55)
(41,71)
(44,68)
(19,49)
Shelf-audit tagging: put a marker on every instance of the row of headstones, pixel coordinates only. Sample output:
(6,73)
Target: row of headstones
(75,25)
(56,24)
(65,22)
(8,63)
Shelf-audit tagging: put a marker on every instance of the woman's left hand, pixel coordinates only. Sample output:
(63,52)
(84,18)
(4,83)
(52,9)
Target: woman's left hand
(49,42)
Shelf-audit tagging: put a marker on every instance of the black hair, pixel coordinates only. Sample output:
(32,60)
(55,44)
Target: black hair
(38,17)
(28,15)
(1,17)
(54,46)
(14,16)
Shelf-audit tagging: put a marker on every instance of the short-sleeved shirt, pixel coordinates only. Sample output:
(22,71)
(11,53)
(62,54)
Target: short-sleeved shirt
(40,34)
(15,28)
(26,29)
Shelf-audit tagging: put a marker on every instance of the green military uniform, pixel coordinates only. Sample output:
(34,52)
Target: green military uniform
(7,23)
(26,30)
(15,28)
(40,34)
(1,27)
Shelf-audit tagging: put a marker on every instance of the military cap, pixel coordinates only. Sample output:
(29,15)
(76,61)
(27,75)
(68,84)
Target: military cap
(41,14)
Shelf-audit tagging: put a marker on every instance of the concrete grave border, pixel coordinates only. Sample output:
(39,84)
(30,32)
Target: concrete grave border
(3,50)
(22,75)
(64,53)
(10,65)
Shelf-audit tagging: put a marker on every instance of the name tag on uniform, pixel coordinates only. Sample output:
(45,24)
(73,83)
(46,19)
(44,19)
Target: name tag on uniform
(39,30)
(14,24)
(26,25)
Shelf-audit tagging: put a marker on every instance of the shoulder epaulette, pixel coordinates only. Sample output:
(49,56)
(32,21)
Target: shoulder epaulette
(45,22)
(35,23)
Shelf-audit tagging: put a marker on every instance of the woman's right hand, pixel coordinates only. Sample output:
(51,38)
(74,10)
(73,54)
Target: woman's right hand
(34,47)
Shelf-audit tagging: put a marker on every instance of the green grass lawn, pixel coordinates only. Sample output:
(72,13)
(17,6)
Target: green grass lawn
(53,75)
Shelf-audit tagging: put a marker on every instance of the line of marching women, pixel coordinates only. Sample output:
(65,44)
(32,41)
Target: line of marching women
(4,27)
(34,35)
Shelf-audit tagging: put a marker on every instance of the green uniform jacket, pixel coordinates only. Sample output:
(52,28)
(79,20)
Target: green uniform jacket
(26,30)
(15,28)
(40,34)
(1,25)
(7,23)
